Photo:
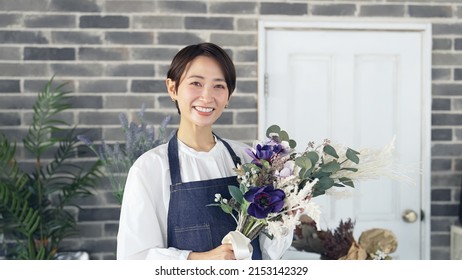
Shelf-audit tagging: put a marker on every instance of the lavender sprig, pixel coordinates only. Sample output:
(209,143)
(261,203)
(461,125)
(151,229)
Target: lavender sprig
(119,157)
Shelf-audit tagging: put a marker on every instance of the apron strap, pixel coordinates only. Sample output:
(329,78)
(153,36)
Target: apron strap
(236,159)
(174,161)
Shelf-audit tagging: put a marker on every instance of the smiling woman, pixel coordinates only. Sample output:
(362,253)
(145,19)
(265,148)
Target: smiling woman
(201,94)
(164,212)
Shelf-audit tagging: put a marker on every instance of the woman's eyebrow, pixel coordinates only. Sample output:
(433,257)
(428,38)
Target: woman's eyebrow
(202,78)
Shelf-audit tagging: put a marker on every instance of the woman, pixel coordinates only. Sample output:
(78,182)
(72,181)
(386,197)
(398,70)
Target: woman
(164,213)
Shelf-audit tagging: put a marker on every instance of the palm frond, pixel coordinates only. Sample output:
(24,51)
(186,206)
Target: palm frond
(33,205)
(16,213)
(50,102)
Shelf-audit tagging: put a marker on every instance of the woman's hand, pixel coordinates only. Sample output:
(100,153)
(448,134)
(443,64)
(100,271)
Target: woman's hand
(222,252)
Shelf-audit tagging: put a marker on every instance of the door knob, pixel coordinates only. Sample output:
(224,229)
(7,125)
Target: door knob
(409,216)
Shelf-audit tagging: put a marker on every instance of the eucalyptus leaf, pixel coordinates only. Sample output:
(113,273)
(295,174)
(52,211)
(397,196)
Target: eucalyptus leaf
(328,149)
(303,162)
(313,156)
(273,129)
(350,169)
(330,167)
(347,182)
(292,143)
(304,173)
(284,136)
(323,184)
(352,155)
(236,194)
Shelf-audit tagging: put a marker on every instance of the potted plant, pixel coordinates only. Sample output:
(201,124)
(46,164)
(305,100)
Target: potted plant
(36,207)
(117,158)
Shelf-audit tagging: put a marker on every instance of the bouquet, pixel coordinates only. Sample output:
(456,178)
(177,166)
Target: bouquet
(276,188)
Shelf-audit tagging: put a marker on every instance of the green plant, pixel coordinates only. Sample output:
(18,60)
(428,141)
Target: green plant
(36,207)
(118,158)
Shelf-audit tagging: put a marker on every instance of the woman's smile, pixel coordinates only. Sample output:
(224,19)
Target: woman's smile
(203,110)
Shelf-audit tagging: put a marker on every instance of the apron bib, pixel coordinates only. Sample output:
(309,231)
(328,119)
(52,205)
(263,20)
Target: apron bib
(192,225)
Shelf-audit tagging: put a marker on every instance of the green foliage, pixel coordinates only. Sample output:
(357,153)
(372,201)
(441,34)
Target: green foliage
(35,207)
(322,163)
(282,134)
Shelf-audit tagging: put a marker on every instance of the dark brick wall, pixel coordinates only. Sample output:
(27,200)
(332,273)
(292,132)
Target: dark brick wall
(115,55)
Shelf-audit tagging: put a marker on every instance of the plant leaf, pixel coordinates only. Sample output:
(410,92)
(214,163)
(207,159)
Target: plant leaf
(347,182)
(236,194)
(330,167)
(273,129)
(313,156)
(352,155)
(226,208)
(328,149)
(303,162)
(352,169)
(323,184)
(292,143)
(284,136)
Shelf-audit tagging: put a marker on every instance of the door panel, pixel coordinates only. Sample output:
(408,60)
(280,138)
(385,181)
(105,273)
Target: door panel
(360,89)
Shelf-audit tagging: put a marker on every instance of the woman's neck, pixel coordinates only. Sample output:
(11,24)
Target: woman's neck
(200,139)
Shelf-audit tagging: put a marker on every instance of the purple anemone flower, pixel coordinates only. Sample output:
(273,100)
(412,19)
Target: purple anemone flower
(264,200)
(265,152)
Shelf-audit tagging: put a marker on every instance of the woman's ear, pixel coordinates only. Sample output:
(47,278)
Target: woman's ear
(171,88)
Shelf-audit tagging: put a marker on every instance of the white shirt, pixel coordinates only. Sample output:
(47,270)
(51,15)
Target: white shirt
(143,218)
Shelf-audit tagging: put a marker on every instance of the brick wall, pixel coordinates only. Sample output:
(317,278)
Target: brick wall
(115,55)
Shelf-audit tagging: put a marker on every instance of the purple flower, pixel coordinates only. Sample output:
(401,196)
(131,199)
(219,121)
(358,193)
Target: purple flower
(264,200)
(84,139)
(265,152)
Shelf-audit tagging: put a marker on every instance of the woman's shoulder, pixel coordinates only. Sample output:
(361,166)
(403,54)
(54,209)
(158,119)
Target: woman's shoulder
(157,154)
(237,144)
(240,148)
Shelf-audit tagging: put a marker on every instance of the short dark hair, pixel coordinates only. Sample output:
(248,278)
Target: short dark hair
(189,53)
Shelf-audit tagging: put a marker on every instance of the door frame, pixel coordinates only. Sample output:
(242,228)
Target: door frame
(425,32)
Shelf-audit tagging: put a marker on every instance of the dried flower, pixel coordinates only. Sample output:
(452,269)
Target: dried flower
(340,244)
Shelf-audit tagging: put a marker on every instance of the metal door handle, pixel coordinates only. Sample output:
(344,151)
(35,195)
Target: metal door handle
(409,216)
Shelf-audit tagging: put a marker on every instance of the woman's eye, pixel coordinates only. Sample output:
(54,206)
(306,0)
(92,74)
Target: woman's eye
(196,84)
(220,86)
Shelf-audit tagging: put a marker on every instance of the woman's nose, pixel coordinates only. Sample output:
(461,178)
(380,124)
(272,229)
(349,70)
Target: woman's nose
(206,94)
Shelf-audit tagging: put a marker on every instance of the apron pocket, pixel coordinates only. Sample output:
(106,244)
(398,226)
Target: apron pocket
(197,238)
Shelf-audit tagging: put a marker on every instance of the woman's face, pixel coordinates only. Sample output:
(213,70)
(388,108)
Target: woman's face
(202,94)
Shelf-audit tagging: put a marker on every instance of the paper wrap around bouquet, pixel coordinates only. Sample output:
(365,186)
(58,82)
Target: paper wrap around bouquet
(241,245)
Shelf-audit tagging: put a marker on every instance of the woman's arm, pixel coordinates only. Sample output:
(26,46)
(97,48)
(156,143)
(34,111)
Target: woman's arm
(143,217)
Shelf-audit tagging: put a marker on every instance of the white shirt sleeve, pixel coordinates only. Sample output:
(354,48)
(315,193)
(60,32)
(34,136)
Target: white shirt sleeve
(143,218)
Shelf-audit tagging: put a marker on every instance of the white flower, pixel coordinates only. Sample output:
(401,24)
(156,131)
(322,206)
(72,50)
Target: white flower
(380,255)
(314,212)
(287,170)
(285,145)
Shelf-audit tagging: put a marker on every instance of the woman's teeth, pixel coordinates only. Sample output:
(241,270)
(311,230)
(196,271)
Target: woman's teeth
(204,109)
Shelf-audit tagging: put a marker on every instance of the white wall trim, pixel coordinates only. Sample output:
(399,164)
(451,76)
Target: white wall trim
(424,28)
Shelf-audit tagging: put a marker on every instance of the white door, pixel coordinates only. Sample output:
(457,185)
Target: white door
(359,87)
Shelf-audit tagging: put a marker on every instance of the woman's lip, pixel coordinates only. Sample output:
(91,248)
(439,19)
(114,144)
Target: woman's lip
(203,113)
(203,109)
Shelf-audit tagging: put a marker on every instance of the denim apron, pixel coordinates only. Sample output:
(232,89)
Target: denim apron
(192,225)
